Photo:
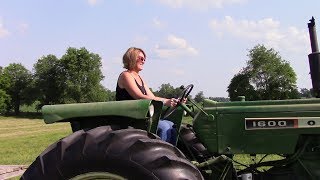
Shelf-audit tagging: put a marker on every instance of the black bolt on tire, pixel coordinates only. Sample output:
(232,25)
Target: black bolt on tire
(102,153)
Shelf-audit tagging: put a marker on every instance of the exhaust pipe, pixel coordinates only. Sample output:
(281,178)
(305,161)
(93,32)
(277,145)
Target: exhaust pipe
(314,58)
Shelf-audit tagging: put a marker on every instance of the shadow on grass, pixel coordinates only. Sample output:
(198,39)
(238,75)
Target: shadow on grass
(27,115)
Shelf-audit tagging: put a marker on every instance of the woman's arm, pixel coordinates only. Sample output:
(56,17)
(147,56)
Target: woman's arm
(167,102)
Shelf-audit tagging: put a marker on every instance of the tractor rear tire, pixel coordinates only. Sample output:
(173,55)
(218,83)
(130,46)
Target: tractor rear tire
(103,153)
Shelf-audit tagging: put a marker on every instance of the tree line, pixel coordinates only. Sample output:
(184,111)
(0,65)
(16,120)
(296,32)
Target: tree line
(76,78)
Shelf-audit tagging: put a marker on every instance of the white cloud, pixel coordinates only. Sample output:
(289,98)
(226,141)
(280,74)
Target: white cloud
(175,47)
(3,31)
(23,27)
(203,4)
(93,2)
(265,31)
(158,24)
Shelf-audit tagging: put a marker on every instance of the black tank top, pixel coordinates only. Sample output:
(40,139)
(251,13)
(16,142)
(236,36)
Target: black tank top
(122,93)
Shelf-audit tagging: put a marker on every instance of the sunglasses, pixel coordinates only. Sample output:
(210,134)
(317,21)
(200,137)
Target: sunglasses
(141,58)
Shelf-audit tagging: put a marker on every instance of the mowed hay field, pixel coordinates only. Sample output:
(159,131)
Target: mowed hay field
(23,139)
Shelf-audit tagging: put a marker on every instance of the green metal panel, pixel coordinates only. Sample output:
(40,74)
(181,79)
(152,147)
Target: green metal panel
(88,115)
(210,103)
(226,132)
(137,109)
(206,128)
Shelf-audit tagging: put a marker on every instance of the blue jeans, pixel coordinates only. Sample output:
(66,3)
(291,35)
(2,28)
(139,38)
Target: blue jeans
(166,132)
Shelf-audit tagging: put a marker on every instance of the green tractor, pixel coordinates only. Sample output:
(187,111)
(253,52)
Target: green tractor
(117,140)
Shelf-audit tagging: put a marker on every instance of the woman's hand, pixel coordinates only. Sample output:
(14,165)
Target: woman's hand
(184,100)
(171,102)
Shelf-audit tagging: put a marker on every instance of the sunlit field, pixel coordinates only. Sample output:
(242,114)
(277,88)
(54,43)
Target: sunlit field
(23,139)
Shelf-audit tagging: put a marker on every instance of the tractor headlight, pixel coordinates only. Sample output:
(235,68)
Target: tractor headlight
(151,110)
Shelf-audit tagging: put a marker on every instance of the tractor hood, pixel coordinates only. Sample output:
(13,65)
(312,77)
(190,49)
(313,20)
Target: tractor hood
(268,106)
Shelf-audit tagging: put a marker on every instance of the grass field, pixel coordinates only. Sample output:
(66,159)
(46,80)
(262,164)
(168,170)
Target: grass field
(23,139)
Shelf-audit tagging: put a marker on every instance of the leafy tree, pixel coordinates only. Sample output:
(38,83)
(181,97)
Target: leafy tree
(4,80)
(266,76)
(48,80)
(306,93)
(240,86)
(111,95)
(4,97)
(165,90)
(168,91)
(178,91)
(101,94)
(219,99)
(4,101)
(81,73)
(199,97)
(20,79)
(30,94)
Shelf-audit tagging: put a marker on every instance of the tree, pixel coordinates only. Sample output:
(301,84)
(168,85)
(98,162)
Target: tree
(101,94)
(199,97)
(266,76)
(219,99)
(306,93)
(240,86)
(4,80)
(165,90)
(20,79)
(81,73)
(4,101)
(49,80)
(111,95)
(4,97)
(168,91)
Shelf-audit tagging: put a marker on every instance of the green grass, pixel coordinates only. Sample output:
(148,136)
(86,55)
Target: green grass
(246,159)
(23,139)
(187,120)
(14,178)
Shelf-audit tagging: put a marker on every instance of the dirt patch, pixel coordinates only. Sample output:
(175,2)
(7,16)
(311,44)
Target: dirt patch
(9,171)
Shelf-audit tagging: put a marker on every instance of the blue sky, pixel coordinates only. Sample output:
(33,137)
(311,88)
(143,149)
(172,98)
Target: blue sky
(202,42)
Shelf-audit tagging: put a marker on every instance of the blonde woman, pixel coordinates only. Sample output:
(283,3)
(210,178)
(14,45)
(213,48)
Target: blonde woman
(131,86)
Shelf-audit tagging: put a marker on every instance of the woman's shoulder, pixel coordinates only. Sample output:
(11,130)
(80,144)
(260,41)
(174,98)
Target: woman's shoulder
(124,74)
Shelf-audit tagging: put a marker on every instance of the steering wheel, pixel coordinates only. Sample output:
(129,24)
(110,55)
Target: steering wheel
(184,94)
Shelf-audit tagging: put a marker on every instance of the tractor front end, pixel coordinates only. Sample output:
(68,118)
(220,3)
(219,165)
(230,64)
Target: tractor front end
(287,128)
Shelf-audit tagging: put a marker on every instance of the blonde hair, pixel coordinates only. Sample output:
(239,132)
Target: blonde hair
(130,57)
